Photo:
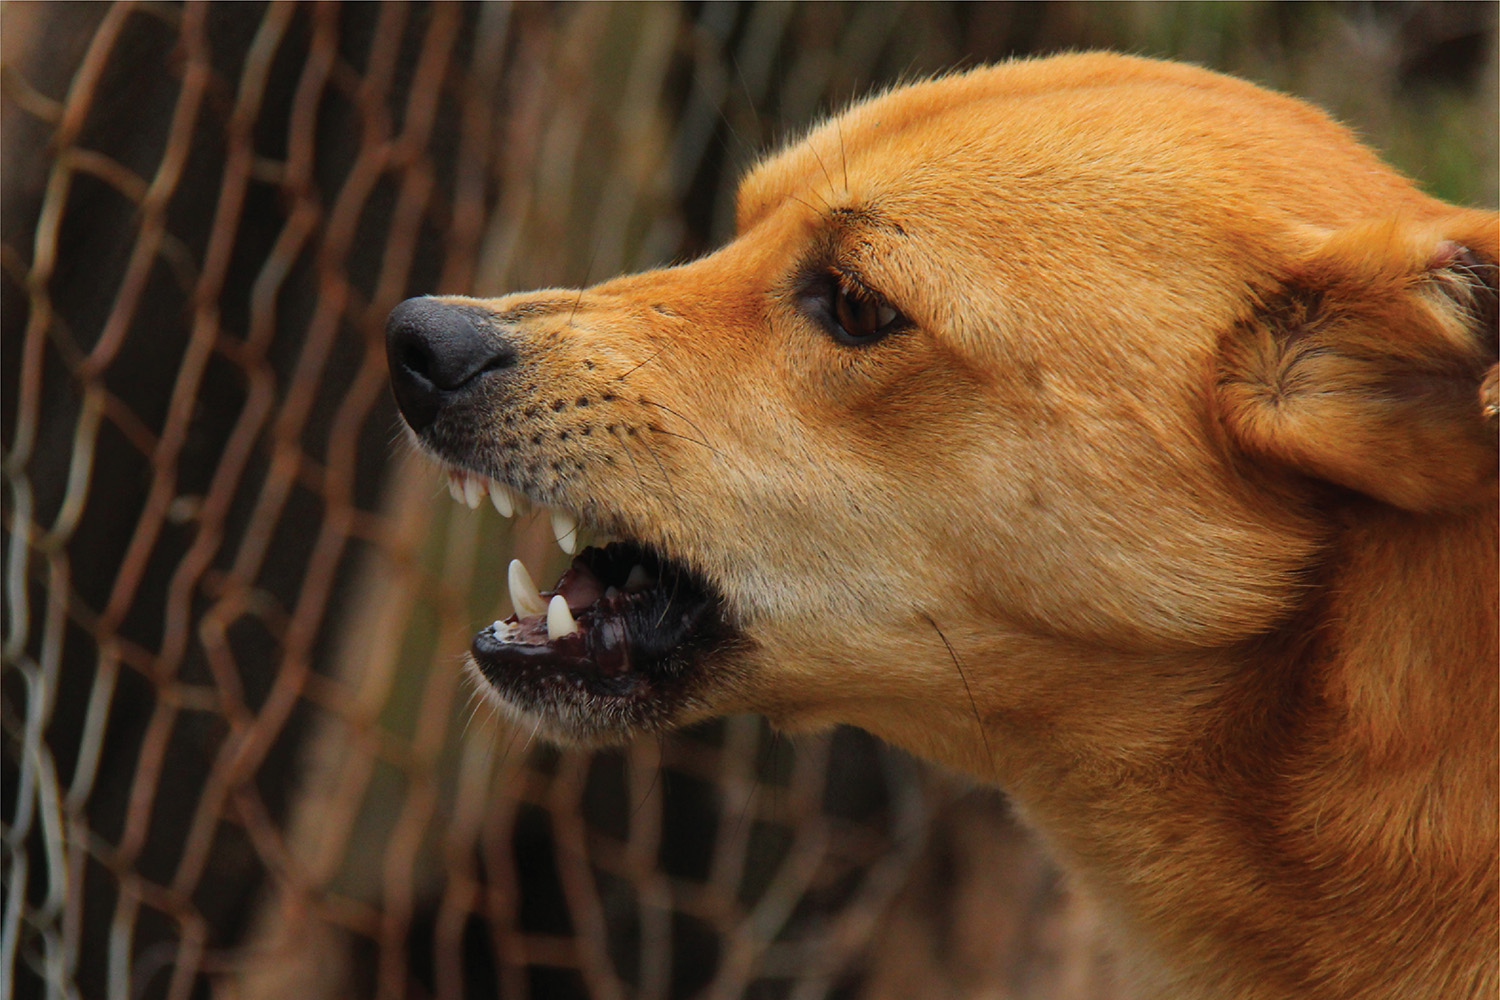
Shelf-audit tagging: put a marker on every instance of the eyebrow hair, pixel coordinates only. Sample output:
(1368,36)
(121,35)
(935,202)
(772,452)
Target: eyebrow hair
(865,216)
(828,254)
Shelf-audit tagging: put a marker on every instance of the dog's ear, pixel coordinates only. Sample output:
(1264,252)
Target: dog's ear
(1372,363)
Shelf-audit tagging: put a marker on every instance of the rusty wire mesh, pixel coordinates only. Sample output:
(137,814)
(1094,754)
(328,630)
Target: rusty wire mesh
(239,758)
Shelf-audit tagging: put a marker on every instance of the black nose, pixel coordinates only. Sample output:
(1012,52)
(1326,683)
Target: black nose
(436,350)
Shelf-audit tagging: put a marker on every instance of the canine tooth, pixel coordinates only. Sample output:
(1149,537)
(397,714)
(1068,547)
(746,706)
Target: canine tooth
(638,579)
(523,593)
(559,619)
(565,530)
(503,499)
(473,489)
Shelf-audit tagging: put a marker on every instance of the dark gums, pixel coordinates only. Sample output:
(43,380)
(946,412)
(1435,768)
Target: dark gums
(623,642)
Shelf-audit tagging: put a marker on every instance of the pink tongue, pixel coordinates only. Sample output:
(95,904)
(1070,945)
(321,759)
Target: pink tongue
(579,587)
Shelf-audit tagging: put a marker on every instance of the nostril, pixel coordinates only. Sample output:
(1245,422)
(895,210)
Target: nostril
(435,348)
(412,358)
(501,360)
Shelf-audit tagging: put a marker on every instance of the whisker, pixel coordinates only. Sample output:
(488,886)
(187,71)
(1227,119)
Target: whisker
(663,406)
(826,175)
(588,272)
(671,492)
(719,108)
(755,784)
(676,582)
(661,755)
(476,698)
(515,734)
(642,364)
(666,479)
(628,454)
(535,727)
(984,737)
(843,155)
(686,437)
(813,208)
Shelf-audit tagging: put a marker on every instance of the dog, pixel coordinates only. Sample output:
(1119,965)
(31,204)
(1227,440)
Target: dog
(1116,432)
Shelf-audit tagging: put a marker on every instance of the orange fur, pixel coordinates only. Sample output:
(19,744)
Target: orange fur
(1173,512)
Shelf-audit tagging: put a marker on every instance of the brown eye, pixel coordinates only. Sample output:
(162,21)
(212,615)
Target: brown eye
(859,316)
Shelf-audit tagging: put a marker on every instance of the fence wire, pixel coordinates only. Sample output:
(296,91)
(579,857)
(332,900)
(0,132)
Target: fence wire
(240,760)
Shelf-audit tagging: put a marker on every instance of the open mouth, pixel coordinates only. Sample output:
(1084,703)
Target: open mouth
(622,628)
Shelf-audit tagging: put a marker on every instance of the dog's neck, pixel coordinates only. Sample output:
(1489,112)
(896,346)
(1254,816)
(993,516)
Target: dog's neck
(1291,785)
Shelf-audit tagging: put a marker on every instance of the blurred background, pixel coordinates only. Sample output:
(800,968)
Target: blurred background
(240,760)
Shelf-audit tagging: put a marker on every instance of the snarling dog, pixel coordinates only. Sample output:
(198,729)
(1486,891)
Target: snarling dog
(1117,432)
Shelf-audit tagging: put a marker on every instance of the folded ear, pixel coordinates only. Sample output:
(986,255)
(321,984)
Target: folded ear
(1372,363)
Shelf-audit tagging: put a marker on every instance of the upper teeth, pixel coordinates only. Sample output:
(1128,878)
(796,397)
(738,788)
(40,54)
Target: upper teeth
(468,488)
(503,498)
(565,530)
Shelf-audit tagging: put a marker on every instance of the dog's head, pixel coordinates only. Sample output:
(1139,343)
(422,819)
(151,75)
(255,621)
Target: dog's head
(1002,370)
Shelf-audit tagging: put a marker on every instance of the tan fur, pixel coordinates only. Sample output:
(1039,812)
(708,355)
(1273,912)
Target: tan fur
(1174,514)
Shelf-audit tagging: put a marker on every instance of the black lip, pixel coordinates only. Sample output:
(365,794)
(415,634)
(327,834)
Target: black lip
(630,647)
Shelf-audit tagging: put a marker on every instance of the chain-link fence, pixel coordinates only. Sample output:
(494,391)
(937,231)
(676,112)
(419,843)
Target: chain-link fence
(239,758)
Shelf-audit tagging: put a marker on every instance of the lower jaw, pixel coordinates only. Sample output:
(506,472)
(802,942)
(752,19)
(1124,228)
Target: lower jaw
(562,710)
(633,660)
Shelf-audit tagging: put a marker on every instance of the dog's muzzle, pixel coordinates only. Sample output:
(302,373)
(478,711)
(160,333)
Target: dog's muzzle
(617,645)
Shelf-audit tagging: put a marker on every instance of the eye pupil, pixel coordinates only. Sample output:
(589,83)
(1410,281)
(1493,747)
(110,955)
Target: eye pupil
(861,316)
(845,310)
